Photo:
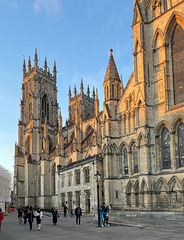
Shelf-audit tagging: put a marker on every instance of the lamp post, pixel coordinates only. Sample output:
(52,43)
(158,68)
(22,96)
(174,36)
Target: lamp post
(98,180)
(58,170)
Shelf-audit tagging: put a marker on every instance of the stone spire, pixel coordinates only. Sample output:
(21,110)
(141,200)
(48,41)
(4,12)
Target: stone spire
(96,104)
(81,88)
(45,65)
(29,64)
(24,68)
(75,91)
(69,93)
(88,92)
(93,93)
(112,72)
(54,70)
(112,82)
(35,59)
(60,120)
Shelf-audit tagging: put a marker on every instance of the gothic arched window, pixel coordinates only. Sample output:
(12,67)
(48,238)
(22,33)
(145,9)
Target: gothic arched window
(112,90)
(178,63)
(125,157)
(45,108)
(107,92)
(165,142)
(135,157)
(181,144)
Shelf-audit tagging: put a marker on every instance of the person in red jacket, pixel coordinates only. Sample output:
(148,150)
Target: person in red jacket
(1,218)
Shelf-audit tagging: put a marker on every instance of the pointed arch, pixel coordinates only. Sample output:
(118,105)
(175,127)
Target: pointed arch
(176,122)
(175,18)
(157,33)
(114,148)
(143,186)
(174,181)
(140,138)
(161,182)
(129,187)
(161,125)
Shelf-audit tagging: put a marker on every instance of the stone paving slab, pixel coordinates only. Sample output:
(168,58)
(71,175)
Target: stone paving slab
(67,229)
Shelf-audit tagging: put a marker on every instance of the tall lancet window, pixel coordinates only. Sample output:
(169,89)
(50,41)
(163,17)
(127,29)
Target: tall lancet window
(45,108)
(181,144)
(178,63)
(166,156)
(125,156)
(136,63)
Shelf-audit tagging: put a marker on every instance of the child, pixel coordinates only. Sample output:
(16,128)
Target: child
(72,213)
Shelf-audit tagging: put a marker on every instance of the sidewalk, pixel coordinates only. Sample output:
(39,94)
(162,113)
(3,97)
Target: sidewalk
(145,222)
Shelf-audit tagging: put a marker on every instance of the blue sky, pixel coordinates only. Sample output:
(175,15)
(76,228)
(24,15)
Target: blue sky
(78,34)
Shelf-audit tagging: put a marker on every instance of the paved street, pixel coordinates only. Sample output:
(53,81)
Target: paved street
(67,229)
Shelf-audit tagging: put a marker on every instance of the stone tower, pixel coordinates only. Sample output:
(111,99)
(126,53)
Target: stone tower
(37,135)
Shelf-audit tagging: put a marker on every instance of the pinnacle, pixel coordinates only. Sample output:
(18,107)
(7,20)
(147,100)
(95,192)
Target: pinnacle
(112,72)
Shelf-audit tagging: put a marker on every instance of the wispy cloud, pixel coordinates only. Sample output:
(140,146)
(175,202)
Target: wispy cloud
(51,7)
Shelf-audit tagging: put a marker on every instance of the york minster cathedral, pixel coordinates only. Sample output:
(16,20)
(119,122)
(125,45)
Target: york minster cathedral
(136,144)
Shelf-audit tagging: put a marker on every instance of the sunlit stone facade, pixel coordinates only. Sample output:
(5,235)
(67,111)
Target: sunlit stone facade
(136,143)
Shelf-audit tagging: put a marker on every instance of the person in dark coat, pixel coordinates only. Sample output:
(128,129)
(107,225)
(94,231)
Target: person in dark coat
(65,210)
(54,215)
(20,212)
(30,216)
(78,214)
(25,214)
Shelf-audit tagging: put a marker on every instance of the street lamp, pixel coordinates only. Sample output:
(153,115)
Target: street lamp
(98,180)
(58,170)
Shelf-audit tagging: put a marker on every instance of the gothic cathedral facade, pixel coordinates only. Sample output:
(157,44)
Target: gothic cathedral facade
(136,143)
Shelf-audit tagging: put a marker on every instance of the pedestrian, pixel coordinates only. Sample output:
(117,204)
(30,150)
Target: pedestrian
(78,214)
(1,218)
(25,214)
(20,212)
(30,216)
(106,216)
(72,213)
(65,210)
(104,210)
(54,216)
(101,216)
(38,216)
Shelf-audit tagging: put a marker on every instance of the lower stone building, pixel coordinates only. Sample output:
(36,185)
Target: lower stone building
(5,188)
(136,143)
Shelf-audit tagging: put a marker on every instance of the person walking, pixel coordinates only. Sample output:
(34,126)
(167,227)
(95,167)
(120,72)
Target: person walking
(25,214)
(65,210)
(20,212)
(106,217)
(30,216)
(38,216)
(1,218)
(78,214)
(54,216)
